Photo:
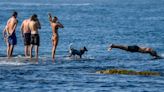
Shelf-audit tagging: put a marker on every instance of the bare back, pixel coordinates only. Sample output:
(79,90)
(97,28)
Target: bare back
(11,25)
(25,26)
(54,28)
(33,25)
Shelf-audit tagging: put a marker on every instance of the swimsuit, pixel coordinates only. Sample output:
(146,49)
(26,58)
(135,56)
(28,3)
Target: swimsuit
(35,40)
(133,48)
(27,38)
(12,40)
(54,37)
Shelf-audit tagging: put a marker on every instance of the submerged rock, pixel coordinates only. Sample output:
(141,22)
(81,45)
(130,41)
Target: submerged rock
(128,72)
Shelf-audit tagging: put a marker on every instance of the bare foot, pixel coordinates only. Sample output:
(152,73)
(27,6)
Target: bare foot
(53,60)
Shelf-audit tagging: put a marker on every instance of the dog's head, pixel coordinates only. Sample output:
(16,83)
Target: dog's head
(85,49)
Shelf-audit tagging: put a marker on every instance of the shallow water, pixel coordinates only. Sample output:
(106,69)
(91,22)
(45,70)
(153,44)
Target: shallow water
(94,24)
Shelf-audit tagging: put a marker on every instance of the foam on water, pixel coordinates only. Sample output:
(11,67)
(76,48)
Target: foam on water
(162,55)
(76,58)
(45,4)
(17,63)
(21,60)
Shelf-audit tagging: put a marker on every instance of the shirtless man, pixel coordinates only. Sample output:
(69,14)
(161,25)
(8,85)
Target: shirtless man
(55,25)
(9,33)
(26,34)
(135,48)
(34,25)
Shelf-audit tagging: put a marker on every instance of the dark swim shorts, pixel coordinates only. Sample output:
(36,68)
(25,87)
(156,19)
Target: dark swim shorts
(35,40)
(27,38)
(133,48)
(12,40)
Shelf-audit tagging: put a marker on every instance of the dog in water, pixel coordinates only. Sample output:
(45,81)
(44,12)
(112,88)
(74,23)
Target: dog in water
(73,52)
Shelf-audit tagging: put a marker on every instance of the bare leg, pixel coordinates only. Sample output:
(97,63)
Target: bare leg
(119,47)
(11,50)
(8,50)
(25,51)
(55,43)
(31,51)
(36,52)
(28,50)
(53,49)
(53,52)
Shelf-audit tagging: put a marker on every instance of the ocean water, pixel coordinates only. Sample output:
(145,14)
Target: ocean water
(94,24)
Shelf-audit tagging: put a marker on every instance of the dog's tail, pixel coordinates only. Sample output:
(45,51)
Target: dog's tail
(70,46)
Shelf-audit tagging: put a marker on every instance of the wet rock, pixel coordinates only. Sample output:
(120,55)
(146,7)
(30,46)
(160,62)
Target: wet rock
(128,72)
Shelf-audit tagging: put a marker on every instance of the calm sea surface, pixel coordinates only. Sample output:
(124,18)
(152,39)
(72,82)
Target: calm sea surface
(94,24)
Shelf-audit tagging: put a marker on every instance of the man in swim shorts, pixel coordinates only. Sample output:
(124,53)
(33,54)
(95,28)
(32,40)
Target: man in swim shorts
(135,48)
(34,25)
(26,34)
(9,31)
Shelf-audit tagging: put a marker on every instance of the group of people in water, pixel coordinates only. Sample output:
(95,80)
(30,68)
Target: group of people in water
(29,32)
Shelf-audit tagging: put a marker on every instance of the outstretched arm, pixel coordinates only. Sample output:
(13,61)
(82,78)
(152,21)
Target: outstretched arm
(50,17)
(154,54)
